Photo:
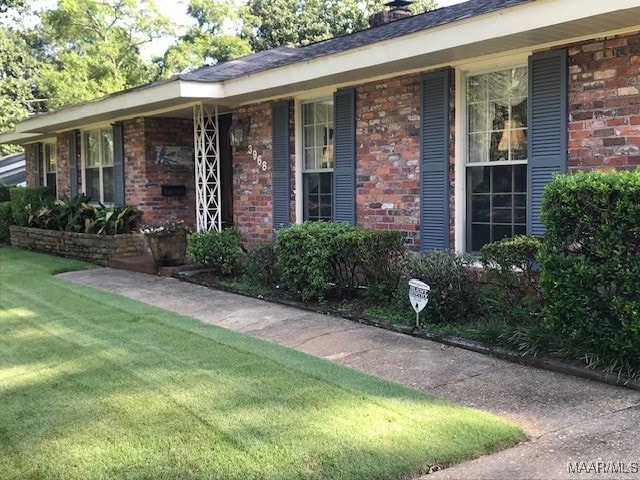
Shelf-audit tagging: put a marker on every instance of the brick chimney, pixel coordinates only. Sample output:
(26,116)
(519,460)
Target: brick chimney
(397,11)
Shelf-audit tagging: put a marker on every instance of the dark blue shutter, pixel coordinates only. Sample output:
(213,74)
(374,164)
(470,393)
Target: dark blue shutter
(344,162)
(280,151)
(547,128)
(73,163)
(434,162)
(38,170)
(118,164)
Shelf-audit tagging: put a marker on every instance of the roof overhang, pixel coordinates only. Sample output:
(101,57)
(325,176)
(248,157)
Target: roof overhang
(529,26)
(525,27)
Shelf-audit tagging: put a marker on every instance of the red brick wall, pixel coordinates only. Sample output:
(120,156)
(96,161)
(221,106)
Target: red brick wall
(62,157)
(30,163)
(143,178)
(252,186)
(604,103)
(388,156)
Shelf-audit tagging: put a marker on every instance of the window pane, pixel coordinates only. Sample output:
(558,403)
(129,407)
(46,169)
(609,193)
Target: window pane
(480,179)
(52,183)
(318,155)
(480,235)
(478,148)
(502,179)
(500,231)
(480,208)
(318,197)
(107,184)
(107,147)
(499,207)
(497,106)
(50,157)
(91,149)
(520,178)
(92,188)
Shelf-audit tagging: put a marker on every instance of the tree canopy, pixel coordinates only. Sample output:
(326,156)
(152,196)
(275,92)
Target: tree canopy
(77,50)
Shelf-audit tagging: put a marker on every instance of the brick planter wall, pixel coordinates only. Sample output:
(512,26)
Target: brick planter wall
(82,246)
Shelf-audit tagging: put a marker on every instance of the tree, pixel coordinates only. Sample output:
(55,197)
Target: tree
(93,47)
(18,81)
(209,41)
(273,23)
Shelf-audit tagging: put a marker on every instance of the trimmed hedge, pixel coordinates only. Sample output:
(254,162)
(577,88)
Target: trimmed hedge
(6,220)
(323,258)
(219,250)
(590,266)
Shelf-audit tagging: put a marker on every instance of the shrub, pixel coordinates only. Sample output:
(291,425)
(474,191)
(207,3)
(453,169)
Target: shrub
(219,250)
(454,296)
(590,266)
(371,258)
(511,265)
(5,193)
(6,220)
(306,253)
(319,258)
(115,220)
(262,267)
(27,200)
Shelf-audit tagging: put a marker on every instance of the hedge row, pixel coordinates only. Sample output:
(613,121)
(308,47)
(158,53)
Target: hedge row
(590,266)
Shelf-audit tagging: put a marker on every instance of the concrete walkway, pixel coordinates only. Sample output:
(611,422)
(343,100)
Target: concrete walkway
(579,428)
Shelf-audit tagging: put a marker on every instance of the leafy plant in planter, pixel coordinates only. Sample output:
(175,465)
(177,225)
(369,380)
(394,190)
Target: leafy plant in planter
(115,220)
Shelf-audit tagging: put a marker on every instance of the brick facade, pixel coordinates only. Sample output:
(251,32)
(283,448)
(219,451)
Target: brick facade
(62,162)
(604,132)
(252,184)
(144,179)
(388,155)
(604,103)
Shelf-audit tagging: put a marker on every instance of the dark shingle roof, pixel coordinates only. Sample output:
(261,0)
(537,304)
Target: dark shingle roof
(282,56)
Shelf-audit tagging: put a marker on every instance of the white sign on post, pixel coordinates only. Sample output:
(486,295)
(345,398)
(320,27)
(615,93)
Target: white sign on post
(418,296)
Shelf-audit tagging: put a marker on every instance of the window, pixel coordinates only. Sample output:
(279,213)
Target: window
(98,165)
(50,167)
(317,160)
(496,157)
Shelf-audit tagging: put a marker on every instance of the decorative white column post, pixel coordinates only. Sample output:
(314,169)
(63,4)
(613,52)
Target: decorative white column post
(207,158)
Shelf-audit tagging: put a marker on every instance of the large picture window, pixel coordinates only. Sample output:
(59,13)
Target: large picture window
(317,162)
(496,160)
(98,165)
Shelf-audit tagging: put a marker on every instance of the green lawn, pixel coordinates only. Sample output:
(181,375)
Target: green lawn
(93,385)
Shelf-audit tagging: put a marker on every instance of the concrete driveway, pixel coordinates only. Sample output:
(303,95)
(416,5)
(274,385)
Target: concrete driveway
(579,428)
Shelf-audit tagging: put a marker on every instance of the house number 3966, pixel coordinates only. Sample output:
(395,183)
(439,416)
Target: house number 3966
(258,158)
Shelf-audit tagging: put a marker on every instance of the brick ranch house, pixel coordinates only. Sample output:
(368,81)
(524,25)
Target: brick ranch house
(445,125)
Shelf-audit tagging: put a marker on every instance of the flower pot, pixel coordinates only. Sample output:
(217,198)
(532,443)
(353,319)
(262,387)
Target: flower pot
(168,249)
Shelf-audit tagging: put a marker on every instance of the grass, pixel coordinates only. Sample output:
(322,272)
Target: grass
(96,386)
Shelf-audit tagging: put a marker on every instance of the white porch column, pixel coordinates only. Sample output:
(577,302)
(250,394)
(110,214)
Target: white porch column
(207,153)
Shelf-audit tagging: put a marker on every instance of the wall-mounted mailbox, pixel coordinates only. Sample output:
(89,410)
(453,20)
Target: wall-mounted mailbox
(173,190)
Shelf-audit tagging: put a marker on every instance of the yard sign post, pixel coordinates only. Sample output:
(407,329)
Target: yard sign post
(418,296)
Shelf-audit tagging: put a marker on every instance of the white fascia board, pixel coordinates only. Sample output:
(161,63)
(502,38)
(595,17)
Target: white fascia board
(19,138)
(123,105)
(455,38)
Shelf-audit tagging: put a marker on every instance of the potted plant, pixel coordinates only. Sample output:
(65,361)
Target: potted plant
(167,241)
